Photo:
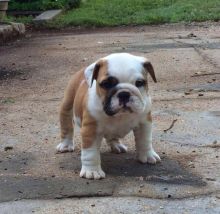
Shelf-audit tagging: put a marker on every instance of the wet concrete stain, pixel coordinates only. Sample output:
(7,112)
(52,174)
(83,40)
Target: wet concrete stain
(31,187)
(168,171)
(15,163)
(9,73)
(16,184)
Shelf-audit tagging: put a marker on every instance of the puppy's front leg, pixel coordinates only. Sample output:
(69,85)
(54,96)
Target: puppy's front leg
(143,140)
(90,154)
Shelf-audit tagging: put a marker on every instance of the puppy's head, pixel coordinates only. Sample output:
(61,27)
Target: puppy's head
(121,82)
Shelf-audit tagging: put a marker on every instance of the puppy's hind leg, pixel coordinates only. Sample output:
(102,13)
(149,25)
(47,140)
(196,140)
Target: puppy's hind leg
(66,125)
(116,146)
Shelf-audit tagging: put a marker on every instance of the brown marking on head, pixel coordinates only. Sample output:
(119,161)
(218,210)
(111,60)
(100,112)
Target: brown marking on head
(149,69)
(100,73)
(149,117)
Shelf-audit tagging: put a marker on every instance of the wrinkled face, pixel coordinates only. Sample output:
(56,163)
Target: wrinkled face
(123,96)
(121,83)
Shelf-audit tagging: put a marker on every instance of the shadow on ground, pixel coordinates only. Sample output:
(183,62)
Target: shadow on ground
(16,184)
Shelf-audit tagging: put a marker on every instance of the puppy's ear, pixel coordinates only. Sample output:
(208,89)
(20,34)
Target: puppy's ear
(91,72)
(149,68)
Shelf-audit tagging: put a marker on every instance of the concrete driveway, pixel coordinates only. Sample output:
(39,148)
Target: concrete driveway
(33,75)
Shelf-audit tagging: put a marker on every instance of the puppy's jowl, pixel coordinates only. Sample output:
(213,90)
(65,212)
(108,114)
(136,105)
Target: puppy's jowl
(107,100)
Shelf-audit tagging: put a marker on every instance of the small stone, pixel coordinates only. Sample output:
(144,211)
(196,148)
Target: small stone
(8,148)
(215,142)
(210,179)
(169,196)
(187,93)
(142,185)
(92,205)
(161,207)
(141,178)
(199,72)
(191,35)
(165,188)
(200,94)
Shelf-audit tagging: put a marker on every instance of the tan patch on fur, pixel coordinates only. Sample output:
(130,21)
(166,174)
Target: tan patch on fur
(103,73)
(88,130)
(88,123)
(66,113)
(149,116)
(76,95)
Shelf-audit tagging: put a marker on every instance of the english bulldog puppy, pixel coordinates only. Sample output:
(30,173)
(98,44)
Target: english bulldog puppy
(108,99)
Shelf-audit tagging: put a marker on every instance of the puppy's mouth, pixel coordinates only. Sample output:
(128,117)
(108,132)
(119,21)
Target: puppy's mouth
(123,110)
(126,109)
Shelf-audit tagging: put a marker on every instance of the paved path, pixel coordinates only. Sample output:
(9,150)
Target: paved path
(33,74)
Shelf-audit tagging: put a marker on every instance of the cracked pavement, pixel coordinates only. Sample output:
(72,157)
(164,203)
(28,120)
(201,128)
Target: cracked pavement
(33,75)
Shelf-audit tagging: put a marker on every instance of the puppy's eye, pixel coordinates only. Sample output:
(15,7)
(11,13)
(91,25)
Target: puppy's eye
(109,83)
(140,83)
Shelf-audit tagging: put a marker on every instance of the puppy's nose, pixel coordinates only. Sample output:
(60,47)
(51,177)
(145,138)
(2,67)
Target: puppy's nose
(124,96)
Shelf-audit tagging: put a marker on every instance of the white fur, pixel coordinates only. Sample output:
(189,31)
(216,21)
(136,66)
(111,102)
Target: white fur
(116,126)
(91,163)
(143,139)
(116,146)
(66,145)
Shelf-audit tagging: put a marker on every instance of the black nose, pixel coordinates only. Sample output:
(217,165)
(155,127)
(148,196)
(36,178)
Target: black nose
(124,96)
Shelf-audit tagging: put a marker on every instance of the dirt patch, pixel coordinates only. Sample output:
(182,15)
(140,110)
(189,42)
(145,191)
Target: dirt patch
(6,73)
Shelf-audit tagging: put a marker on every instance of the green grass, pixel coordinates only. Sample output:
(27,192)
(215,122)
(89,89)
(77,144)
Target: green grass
(21,19)
(42,4)
(138,12)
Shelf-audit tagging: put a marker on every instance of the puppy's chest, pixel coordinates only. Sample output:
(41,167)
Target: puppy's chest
(118,127)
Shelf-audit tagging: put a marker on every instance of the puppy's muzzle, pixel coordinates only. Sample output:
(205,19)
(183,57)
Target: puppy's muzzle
(123,97)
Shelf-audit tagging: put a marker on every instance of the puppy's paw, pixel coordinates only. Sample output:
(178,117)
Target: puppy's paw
(92,173)
(150,157)
(118,148)
(65,146)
